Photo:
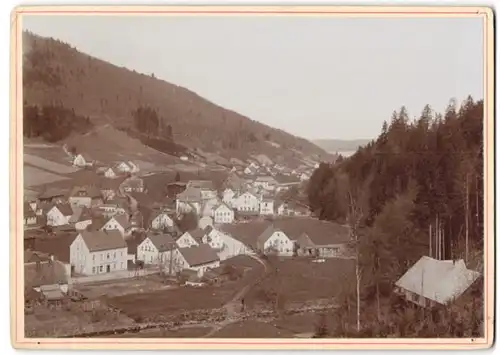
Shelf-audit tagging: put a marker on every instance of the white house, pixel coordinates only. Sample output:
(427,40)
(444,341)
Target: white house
(161,220)
(81,161)
(199,258)
(186,240)
(59,214)
(123,167)
(157,249)
(274,240)
(222,213)
(110,173)
(247,202)
(213,237)
(98,252)
(119,223)
(266,207)
(132,184)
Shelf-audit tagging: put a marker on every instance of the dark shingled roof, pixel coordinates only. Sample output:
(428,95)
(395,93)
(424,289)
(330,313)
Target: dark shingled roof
(65,209)
(199,255)
(162,242)
(103,240)
(197,234)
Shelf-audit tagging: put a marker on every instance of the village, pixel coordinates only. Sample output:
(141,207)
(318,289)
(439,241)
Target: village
(107,235)
(106,259)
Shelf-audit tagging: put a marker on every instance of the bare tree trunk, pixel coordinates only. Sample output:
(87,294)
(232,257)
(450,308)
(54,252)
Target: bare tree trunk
(436,239)
(358,308)
(378,302)
(430,240)
(467,219)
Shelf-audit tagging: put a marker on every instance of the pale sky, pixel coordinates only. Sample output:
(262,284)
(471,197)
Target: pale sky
(310,76)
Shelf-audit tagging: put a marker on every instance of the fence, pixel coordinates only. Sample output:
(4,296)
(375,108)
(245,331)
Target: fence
(117,275)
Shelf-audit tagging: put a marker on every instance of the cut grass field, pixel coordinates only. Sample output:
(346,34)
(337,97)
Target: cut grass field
(35,177)
(252,329)
(48,165)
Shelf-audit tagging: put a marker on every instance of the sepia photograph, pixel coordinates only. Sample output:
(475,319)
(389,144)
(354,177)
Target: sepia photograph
(232,177)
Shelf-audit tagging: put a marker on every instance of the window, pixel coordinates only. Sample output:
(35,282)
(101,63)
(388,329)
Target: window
(114,255)
(121,265)
(102,257)
(107,256)
(93,257)
(100,268)
(93,270)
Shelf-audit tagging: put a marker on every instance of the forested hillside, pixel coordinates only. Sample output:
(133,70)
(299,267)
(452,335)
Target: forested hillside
(58,75)
(419,179)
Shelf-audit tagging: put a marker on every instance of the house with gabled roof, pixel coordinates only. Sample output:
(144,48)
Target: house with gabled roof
(213,237)
(431,283)
(58,214)
(132,184)
(119,223)
(97,252)
(206,187)
(123,167)
(190,200)
(200,258)
(157,249)
(82,160)
(274,240)
(110,188)
(85,196)
(160,220)
(190,238)
(222,213)
(247,202)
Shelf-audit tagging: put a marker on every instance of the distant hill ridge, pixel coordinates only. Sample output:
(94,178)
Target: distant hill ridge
(339,145)
(56,73)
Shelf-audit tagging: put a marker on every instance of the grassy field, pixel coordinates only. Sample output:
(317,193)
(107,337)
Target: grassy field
(173,301)
(123,287)
(45,322)
(300,280)
(47,164)
(36,177)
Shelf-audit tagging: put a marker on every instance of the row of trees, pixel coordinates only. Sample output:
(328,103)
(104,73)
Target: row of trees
(147,121)
(52,122)
(415,190)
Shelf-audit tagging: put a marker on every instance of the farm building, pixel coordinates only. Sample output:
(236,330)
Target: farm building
(431,282)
